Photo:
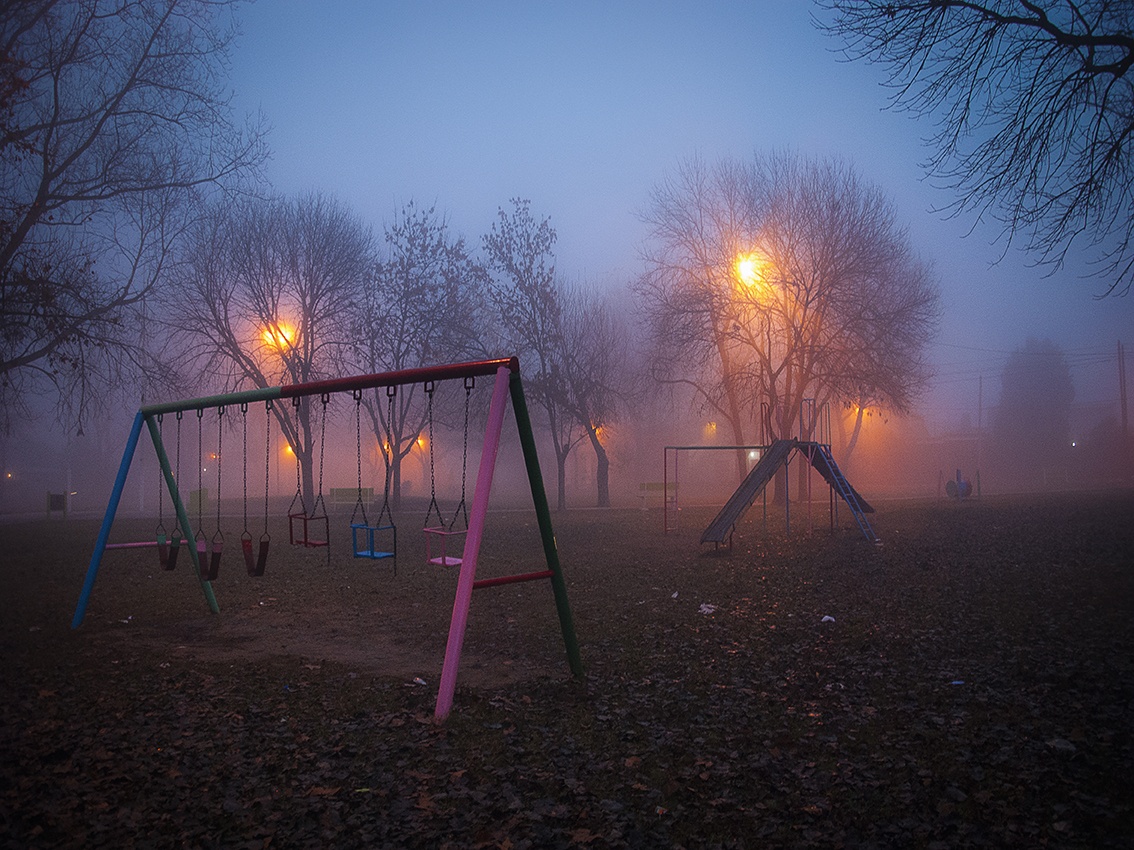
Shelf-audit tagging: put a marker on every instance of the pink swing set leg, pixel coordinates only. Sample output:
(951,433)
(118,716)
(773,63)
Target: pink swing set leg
(472,546)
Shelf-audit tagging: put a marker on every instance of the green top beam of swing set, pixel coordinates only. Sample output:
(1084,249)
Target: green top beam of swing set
(401,377)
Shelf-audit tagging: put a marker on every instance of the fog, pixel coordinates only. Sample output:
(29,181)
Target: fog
(583,109)
(894,457)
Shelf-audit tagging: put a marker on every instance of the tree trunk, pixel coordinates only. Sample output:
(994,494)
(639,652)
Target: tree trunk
(854,439)
(602,469)
(561,489)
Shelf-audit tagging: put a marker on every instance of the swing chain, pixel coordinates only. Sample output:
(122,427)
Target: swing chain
(161,484)
(267,463)
(244,464)
(470,383)
(220,431)
(388,455)
(432,478)
(325,398)
(356,394)
(177,475)
(298,482)
(200,477)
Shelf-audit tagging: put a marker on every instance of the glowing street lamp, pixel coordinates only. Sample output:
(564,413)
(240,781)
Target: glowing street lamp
(752,272)
(748,269)
(279,335)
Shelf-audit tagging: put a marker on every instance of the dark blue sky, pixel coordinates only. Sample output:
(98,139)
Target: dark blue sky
(583,106)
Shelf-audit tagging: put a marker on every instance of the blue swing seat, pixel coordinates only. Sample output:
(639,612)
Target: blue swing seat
(364,543)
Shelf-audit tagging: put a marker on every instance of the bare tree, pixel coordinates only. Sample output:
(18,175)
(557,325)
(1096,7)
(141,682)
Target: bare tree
(1034,104)
(851,308)
(113,116)
(525,296)
(424,308)
(782,281)
(596,357)
(701,222)
(264,300)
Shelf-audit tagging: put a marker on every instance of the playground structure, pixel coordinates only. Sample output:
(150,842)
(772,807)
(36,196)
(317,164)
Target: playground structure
(959,487)
(669,486)
(311,527)
(779,454)
(770,459)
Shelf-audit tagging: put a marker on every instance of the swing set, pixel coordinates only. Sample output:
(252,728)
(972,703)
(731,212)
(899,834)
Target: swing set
(441,533)
(364,537)
(312,528)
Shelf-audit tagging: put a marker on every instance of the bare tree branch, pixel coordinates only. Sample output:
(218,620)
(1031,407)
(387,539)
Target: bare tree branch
(113,118)
(1034,108)
(780,281)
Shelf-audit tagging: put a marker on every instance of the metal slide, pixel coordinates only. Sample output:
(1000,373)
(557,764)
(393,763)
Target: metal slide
(819,455)
(775,457)
(824,463)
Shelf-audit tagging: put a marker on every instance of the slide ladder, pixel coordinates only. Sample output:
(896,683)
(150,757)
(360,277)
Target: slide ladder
(821,459)
(759,476)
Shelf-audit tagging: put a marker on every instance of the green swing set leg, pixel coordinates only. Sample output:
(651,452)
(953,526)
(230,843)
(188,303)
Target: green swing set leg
(179,508)
(112,510)
(543,515)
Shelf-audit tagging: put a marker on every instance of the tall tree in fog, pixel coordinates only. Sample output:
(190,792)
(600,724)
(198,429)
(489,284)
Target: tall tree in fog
(781,280)
(264,298)
(423,308)
(596,372)
(1034,106)
(1031,429)
(112,117)
(520,255)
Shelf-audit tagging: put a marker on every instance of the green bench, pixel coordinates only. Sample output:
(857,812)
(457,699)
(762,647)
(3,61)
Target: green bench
(349,495)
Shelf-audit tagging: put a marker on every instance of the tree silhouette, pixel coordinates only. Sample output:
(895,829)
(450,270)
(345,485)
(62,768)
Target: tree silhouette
(1031,428)
(424,307)
(113,117)
(264,299)
(1034,109)
(525,297)
(779,281)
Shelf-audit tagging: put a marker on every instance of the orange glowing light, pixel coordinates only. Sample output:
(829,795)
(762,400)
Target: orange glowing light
(748,269)
(279,335)
(752,272)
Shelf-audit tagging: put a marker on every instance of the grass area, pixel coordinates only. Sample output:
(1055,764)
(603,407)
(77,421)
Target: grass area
(967,684)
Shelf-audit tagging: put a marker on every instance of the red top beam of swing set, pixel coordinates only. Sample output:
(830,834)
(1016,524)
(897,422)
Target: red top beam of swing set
(401,377)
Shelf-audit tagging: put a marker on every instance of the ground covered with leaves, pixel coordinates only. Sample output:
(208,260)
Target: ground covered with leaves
(969,683)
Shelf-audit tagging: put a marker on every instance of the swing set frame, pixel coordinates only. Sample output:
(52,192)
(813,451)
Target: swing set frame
(506,372)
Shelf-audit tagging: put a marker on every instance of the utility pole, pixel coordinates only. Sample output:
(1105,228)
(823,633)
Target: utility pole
(1127,460)
(979,428)
(1122,390)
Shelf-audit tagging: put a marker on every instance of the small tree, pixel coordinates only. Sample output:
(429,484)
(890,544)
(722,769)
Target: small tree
(525,297)
(263,300)
(1033,108)
(112,117)
(596,371)
(424,307)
